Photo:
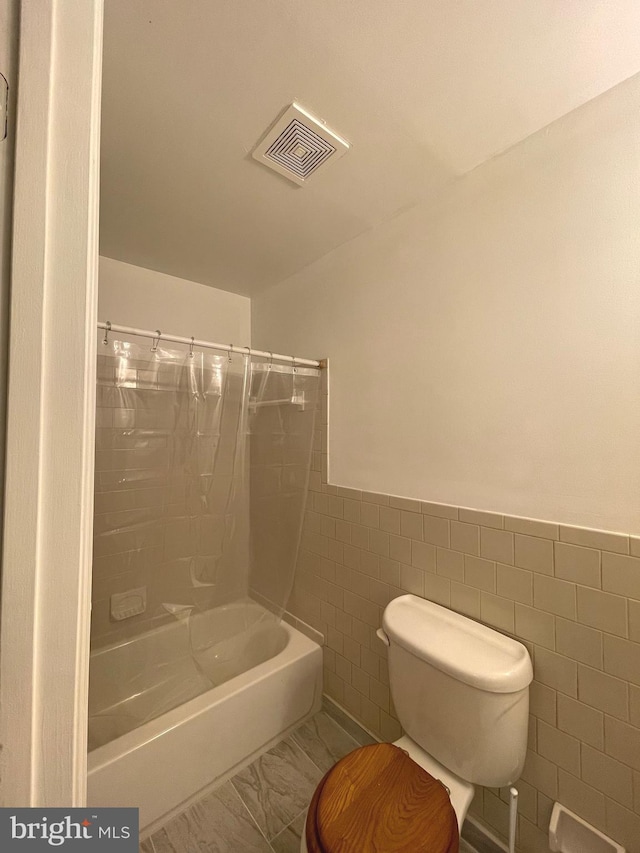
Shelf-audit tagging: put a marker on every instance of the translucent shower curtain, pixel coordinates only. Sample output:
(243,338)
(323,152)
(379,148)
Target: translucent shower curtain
(283,402)
(202,463)
(170,524)
(169,482)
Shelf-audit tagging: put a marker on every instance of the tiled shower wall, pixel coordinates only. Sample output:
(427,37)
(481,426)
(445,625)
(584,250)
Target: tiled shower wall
(145,535)
(571,595)
(129,541)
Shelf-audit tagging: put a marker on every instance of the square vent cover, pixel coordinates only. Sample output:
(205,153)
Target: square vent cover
(299,145)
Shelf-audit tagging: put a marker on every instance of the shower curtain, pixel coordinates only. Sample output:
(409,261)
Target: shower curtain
(283,402)
(202,464)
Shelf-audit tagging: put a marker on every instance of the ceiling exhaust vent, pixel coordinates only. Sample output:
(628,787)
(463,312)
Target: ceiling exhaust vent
(299,145)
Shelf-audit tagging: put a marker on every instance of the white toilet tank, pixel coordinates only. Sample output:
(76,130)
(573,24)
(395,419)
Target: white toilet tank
(460,689)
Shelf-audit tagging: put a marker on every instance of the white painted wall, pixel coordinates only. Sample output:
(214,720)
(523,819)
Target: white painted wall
(134,296)
(485,347)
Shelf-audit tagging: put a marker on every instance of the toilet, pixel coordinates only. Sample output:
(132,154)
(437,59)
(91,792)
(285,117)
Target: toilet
(461,693)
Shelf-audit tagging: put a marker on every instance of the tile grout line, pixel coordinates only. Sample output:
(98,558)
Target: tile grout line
(309,758)
(239,795)
(284,829)
(306,755)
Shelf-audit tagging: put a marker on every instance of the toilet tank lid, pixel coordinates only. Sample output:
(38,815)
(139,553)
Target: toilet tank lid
(464,649)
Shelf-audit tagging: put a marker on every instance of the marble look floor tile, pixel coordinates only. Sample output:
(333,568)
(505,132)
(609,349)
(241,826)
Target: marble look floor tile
(146,846)
(323,741)
(219,823)
(288,841)
(277,786)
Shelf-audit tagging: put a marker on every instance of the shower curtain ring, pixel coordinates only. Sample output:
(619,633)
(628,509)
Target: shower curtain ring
(247,354)
(293,359)
(191,347)
(105,340)
(270,365)
(155,341)
(230,351)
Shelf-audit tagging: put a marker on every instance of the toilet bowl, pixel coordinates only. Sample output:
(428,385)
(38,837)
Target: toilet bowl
(461,691)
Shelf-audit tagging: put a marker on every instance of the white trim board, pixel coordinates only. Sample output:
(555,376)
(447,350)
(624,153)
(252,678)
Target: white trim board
(9,17)
(44,644)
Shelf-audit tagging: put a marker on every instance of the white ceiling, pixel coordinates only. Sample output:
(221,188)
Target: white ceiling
(424,90)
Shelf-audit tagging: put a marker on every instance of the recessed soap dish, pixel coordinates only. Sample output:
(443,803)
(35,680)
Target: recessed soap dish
(569,833)
(124,605)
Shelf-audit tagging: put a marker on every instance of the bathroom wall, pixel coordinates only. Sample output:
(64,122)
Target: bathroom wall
(485,346)
(146,299)
(570,594)
(485,352)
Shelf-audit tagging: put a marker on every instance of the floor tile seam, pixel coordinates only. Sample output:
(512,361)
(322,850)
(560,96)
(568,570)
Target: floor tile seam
(157,832)
(301,747)
(306,755)
(299,762)
(356,745)
(334,722)
(284,829)
(251,815)
(300,813)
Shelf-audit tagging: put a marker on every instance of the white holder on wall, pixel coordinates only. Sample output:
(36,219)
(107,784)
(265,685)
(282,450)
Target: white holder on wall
(569,833)
(124,605)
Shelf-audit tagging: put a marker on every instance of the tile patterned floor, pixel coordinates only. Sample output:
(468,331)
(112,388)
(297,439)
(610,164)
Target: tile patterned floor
(262,808)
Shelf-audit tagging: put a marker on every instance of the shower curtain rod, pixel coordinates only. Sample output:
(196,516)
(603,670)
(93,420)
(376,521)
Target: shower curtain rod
(158,335)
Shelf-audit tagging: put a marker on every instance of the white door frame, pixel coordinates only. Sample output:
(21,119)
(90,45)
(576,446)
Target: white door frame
(46,575)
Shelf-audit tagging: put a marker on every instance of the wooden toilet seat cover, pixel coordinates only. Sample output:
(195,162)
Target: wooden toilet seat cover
(378,800)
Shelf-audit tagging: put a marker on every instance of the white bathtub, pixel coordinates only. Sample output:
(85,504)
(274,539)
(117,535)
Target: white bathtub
(167,760)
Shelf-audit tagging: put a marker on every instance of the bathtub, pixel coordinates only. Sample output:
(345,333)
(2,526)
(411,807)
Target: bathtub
(155,754)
